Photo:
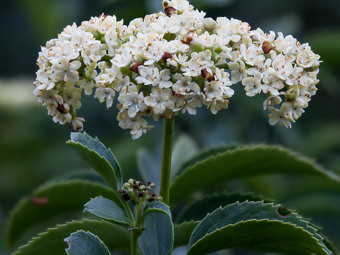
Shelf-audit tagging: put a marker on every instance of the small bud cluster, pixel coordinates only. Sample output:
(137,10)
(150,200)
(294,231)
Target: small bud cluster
(138,192)
(171,62)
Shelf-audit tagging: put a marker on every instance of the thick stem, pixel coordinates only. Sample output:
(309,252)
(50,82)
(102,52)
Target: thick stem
(134,242)
(135,233)
(168,131)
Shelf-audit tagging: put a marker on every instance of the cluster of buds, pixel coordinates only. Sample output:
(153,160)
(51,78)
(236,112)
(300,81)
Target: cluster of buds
(173,62)
(138,192)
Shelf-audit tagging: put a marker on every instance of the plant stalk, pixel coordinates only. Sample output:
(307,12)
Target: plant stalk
(168,131)
(135,233)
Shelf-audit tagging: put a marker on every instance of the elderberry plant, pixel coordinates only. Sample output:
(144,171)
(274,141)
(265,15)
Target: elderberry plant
(159,66)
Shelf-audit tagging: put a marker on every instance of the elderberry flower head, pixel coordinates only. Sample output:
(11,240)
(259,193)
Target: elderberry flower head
(171,62)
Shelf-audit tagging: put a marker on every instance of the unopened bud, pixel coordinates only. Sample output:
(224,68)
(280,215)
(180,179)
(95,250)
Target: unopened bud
(166,56)
(267,47)
(209,24)
(77,124)
(134,67)
(187,40)
(169,11)
(204,73)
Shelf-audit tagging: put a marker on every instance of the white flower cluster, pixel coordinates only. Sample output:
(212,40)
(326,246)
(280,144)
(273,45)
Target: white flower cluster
(170,62)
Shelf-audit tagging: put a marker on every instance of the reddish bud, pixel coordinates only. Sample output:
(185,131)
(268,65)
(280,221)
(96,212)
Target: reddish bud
(169,11)
(166,56)
(211,78)
(134,66)
(61,108)
(204,73)
(266,47)
(187,40)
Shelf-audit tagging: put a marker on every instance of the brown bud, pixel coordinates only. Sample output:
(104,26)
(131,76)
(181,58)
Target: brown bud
(166,56)
(266,47)
(134,66)
(61,108)
(211,78)
(204,73)
(187,40)
(169,11)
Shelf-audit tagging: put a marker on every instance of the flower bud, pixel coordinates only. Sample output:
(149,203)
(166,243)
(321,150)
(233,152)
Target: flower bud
(267,47)
(134,67)
(77,124)
(169,11)
(209,24)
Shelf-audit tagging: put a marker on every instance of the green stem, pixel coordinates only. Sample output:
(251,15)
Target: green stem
(135,233)
(134,242)
(168,131)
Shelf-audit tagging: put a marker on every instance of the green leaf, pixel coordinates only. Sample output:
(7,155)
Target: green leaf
(183,232)
(148,167)
(241,163)
(203,156)
(158,235)
(256,226)
(85,243)
(51,200)
(184,149)
(52,241)
(108,210)
(99,157)
(197,210)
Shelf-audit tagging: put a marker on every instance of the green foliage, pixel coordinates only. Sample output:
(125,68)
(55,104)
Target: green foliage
(99,157)
(108,210)
(51,200)
(85,243)
(158,235)
(183,232)
(52,241)
(246,220)
(241,163)
(197,210)
(184,149)
(256,226)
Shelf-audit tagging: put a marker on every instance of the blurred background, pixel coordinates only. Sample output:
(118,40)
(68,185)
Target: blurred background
(33,148)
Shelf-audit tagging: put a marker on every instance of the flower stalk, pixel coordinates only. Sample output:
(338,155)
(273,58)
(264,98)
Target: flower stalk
(168,131)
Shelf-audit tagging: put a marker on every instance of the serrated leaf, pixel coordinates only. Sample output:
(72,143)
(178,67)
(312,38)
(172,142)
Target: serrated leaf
(99,157)
(108,210)
(241,163)
(52,241)
(51,200)
(204,155)
(256,226)
(183,150)
(158,234)
(85,243)
(197,210)
(183,232)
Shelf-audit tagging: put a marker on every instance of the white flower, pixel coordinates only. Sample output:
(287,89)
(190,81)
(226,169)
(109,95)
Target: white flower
(279,117)
(64,70)
(132,101)
(160,100)
(184,85)
(189,61)
(105,94)
(252,85)
(306,58)
(149,75)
